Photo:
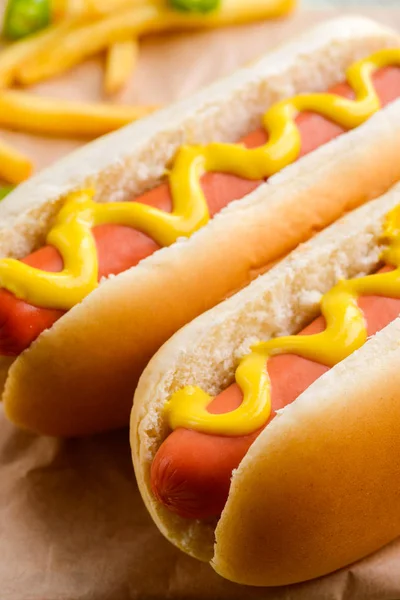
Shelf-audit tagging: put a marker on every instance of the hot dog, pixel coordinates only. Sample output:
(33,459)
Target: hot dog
(99,337)
(301,453)
(191,472)
(120,248)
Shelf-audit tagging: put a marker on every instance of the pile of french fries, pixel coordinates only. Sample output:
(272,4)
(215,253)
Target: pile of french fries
(82,29)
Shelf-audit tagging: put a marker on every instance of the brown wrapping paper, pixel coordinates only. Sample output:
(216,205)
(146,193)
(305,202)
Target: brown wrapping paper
(72,524)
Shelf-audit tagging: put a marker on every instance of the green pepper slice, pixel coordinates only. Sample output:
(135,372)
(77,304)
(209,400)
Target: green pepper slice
(24,17)
(199,6)
(5,190)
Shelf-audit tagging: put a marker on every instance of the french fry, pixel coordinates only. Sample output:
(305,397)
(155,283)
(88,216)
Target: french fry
(67,43)
(230,12)
(70,14)
(14,166)
(52,116)
(63,9)
(121,59)
(235,12)
(16,54)
(87,40)
(106,7)
(95,8)
(78,8)
(147,17)
(59,9)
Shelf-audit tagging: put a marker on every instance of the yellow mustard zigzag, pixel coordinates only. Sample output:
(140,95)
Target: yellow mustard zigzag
(345,332)
(72,236)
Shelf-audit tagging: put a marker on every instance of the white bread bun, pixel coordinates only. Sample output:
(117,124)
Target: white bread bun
(79,376)
(319,487)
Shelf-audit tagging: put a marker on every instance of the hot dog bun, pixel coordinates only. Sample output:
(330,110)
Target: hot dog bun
(79,376)
(319,487)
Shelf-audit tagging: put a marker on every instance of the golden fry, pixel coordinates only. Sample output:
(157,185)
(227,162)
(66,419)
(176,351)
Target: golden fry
(87,40)
(16,54)
(59,9)
(121,60)
(52,116)
(236,12)
(95,8)
(78,7)
(148,16)
(106,7)
(230,12)
(70,8)
(14,166)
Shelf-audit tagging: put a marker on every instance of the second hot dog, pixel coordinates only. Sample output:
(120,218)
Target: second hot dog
(191,472)
(274,490)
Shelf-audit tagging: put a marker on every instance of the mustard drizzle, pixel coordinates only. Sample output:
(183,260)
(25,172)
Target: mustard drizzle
(345,332)
(72,236)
